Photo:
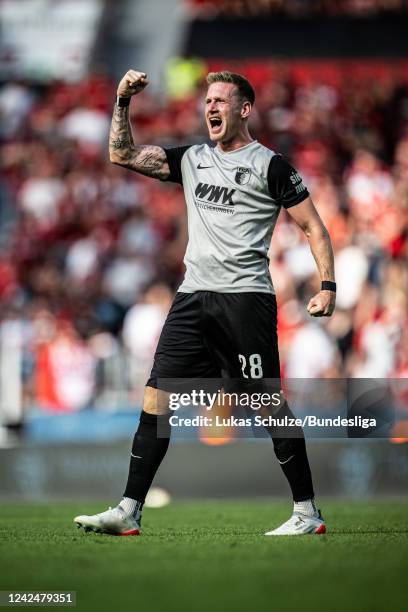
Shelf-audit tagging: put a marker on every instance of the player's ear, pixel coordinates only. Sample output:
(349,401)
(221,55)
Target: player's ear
(246,109)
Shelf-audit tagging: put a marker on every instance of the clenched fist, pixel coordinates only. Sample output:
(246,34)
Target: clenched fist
(132,83)
(322,304)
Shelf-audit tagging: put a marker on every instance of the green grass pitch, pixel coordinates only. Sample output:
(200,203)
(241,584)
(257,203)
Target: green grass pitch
(211,556)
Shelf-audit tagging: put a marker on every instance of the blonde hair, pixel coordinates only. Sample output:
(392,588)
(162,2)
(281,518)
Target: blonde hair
(245,89)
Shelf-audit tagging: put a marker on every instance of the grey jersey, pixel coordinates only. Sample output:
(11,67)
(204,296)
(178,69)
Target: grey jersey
(233,201)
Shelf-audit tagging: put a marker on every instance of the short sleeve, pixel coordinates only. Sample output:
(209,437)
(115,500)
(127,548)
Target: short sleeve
(285,183)
(174,157)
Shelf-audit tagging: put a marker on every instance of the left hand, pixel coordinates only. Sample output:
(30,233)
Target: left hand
(322,304)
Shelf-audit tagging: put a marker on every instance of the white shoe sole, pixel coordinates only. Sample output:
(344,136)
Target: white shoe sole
(95,529)
(320,530)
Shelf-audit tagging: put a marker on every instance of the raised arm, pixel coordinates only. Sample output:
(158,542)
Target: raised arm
(145,159)
(307,218)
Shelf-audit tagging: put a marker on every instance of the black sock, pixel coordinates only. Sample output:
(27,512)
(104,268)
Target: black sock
(148,451)
(292,456)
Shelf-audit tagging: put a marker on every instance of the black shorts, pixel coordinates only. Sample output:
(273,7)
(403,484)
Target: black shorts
(213,335)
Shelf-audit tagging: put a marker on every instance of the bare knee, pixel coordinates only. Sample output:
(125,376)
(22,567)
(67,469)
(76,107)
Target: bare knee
(155,401)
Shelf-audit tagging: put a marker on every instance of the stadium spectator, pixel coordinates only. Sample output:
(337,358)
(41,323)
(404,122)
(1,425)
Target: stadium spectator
(64,366)
(141,330)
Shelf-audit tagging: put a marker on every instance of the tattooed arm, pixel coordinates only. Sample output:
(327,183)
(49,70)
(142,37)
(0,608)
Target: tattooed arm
(146,159)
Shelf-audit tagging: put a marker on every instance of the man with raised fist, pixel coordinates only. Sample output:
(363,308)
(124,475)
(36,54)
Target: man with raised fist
(223,317)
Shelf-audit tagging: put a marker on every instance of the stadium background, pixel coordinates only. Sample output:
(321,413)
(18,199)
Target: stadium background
(91,254)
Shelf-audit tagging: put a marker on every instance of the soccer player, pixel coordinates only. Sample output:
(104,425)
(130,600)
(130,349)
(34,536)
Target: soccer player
(223,317)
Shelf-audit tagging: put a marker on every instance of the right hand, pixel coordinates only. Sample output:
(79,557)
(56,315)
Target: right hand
(132,83)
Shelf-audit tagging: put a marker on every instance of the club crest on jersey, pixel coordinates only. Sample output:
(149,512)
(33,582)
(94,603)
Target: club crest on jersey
(242,175)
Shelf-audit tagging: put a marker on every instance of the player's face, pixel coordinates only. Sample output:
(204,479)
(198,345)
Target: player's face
(223,111)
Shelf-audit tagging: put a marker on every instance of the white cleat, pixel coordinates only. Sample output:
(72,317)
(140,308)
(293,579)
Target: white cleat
(300,524)
(114,522)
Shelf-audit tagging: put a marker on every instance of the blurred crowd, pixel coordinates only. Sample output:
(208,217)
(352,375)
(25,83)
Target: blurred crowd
(91,254)
(212,9)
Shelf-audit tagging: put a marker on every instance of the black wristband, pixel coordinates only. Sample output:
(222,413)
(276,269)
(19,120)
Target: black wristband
(122,101)
(328,286)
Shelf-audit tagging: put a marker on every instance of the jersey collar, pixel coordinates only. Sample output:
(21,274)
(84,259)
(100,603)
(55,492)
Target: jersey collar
(221,153)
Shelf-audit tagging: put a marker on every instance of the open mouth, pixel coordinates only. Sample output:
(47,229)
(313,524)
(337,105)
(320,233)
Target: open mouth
(215,123)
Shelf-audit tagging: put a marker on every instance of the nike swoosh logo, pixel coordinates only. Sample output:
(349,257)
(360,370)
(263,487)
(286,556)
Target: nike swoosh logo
(287,460)
(136,456)
(200,167)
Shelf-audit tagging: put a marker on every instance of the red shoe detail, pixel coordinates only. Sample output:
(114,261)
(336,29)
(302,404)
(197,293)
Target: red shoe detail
(133,532)
(321,529)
